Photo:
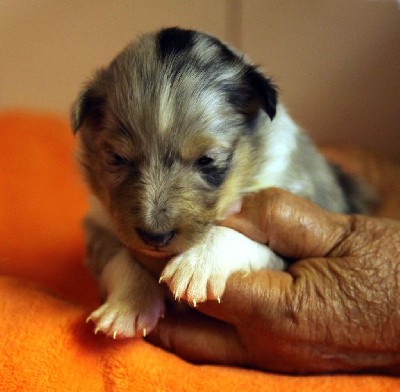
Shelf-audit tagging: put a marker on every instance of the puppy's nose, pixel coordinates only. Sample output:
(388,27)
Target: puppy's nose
(155,239)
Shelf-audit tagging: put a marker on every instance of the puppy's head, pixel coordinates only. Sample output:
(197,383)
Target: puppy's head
(170,136)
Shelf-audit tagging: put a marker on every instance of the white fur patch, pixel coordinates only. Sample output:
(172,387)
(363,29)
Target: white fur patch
(200,273)
(281,141)
(166,109)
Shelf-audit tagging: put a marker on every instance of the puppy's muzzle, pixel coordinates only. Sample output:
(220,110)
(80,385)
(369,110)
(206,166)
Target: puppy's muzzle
(158,240)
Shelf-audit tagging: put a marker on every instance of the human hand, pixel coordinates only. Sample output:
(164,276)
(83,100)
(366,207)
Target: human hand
(336,307)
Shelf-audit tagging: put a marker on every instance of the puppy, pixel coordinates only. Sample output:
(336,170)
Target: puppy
(172,134)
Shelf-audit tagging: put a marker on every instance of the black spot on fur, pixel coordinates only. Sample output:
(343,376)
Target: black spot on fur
(256,90)
(173,41)
(265,93)
(360,198)
(215,175)
(226,55)
(252,92)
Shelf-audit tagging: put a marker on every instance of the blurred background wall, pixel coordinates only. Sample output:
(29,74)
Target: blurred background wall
(336,62)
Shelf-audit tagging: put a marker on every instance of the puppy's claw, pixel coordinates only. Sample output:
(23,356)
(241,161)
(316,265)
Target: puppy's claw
(194,303)
(115,335)
(144,332)
(176,297)
(161,279)
(219,299)
(89,318)
(96,330)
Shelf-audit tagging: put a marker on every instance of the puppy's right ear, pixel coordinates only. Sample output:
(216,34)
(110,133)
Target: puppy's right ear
(87,108)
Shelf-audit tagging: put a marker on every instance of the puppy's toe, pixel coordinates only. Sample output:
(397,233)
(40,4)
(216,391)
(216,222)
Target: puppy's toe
(216,286)
(196,291)
(177,276)
(145,321)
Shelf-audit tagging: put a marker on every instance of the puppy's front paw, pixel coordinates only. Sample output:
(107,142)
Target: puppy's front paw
(195,276)
(200,273)
(127,318)
(134,303)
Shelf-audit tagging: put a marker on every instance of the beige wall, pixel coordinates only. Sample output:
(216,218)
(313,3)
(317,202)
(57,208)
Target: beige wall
(48,48)
(337,62)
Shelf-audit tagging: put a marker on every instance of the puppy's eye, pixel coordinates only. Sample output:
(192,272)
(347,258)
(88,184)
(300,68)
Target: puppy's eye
(116,160)
(204,161)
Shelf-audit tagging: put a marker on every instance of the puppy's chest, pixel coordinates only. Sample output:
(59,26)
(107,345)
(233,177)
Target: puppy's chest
(152,261)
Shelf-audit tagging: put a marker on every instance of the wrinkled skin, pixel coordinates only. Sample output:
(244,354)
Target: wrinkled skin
(336,309)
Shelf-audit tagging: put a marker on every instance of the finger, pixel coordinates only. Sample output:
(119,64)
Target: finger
(198,338)
(290,225)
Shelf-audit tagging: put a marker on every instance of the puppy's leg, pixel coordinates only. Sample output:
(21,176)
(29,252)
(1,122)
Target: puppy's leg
(200,273)
(133,300)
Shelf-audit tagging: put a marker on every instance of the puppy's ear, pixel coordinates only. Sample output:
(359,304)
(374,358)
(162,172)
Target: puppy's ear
(88,107)
(262,92)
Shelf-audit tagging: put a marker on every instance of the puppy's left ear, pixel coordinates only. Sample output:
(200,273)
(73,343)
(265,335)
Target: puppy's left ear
(87,107)
(263,93)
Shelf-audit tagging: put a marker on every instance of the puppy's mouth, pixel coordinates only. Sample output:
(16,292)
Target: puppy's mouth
(155,244)
(156,252)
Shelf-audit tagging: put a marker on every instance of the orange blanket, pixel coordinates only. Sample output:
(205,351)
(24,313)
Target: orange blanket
(45,293)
